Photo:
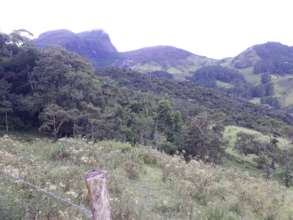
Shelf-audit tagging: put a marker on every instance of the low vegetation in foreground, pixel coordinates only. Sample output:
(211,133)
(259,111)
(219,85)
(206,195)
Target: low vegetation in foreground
(143,183)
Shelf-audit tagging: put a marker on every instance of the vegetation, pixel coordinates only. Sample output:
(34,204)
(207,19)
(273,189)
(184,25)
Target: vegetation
(239,76)
(105,117)
(210,76)
(276,59)
(190,100)
(143,183)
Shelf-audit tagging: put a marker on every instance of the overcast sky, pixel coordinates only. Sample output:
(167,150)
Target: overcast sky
(214,28)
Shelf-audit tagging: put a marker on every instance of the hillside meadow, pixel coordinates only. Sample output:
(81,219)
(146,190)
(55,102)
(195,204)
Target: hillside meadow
(143,183)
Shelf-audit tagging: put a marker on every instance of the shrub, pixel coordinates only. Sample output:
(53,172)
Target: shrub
(168,147)
(149,159)
(132,169)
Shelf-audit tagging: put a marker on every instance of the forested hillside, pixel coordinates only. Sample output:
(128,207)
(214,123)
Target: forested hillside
(111,112)
(260,74)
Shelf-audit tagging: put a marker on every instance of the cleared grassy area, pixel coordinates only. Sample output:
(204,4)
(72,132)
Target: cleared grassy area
(230,135)
(249,76)
(283,87)
(248,163)
(143,183)
(255,101)
(224,85)
(180,68)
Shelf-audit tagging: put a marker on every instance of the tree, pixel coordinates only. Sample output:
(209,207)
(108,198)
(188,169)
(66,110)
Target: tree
(203,139)
(168,121)
(266,78)
(5,104)
(268,155)
(287,171)
(75,117)
(247,144)
(53,119)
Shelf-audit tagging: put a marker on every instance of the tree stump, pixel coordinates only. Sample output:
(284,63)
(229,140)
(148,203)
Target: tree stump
(98,195)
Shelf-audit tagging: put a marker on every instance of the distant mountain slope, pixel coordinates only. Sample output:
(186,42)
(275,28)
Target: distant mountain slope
(94,45)
(189,97)
(178,62)
(272,58)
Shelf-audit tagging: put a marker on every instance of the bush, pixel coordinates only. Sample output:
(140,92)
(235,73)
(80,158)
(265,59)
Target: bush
(132,169)
(168,147)
(149,159)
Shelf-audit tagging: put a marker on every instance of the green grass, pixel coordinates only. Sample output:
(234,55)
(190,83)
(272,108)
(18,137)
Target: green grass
(180,68)
(249,76)
(255,101)
(283,87)
(224,85)
(143,183)
(247,163)
(230,135)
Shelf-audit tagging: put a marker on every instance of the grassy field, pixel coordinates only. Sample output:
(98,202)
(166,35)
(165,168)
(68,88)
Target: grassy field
(250,77)
(230,135)
(143,183)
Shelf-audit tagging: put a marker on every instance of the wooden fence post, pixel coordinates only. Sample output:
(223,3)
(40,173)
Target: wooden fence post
(96,183)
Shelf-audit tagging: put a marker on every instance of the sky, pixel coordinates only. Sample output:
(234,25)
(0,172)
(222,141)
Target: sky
(213,28)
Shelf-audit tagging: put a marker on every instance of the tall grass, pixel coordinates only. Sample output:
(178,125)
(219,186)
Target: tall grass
(143,183)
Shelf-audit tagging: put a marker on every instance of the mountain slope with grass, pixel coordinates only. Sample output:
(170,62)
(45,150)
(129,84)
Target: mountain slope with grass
(178,62)
(273,59)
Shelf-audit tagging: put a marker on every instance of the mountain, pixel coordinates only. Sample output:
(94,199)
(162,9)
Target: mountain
(180,63)
(271,59)
(94,45)
(243,75)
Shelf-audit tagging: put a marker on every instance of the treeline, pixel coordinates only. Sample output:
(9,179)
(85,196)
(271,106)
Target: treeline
(236,85)
(211,76)
(190,100)
(59,93)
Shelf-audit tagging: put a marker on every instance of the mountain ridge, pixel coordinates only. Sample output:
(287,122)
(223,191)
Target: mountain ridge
(165,58)
(270,58)
(94,45)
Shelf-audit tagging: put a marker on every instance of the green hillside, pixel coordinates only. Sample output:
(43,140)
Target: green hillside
(172,149)
(178,62)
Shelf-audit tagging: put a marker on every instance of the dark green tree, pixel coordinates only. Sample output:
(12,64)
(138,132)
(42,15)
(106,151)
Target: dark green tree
(203,138)
(5,104)
(53,118)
